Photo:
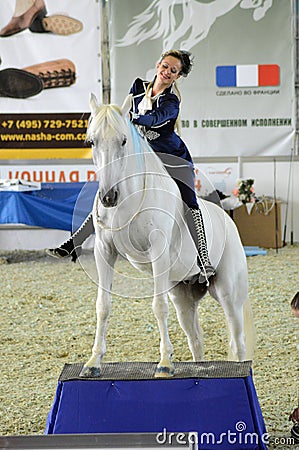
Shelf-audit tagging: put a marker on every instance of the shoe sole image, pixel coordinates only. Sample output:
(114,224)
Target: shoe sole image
(63,25)
(17,83)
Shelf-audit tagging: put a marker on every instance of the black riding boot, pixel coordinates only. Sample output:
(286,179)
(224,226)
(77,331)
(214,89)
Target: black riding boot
(197,230)
(73,246)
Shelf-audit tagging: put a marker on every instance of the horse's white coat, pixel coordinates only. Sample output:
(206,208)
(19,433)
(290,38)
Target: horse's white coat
(139,214)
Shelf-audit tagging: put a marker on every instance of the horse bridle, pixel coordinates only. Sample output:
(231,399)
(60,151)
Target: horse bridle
(103,226)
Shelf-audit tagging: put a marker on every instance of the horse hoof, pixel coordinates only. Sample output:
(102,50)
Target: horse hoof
(90,372)
(164,372)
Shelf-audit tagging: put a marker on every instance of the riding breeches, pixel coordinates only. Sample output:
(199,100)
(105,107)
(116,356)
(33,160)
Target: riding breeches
(182,173)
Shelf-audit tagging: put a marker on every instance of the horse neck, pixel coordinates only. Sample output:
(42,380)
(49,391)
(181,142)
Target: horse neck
(134,170)
(145,162)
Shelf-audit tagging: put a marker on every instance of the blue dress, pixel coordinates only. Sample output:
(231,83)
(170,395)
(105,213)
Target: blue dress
(158,126)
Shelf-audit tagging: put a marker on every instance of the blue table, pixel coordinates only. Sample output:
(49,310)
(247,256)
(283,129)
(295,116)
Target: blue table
(51,207)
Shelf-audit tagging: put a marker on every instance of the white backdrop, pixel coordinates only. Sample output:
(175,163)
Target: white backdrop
(218,119)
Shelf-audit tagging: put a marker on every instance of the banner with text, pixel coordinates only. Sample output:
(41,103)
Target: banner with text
(239,99)
(48,71)
(46,173)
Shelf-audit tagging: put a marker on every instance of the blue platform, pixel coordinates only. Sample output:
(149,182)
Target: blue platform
(216,399)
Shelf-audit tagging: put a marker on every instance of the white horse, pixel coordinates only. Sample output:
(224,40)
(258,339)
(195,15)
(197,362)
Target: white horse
(138,213)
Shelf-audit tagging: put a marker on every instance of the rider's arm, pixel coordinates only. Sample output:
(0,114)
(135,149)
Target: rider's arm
(167,109)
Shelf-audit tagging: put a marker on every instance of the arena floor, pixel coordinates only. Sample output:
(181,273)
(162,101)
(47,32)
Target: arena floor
(48,319)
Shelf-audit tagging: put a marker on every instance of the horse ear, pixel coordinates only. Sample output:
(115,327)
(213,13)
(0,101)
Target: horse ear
(126,106)
(93,103)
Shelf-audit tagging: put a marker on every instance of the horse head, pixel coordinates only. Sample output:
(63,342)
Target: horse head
(108,134)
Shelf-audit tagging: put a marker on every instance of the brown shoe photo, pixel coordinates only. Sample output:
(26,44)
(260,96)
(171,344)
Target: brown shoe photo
(16,83)
(24,21)
(56,24)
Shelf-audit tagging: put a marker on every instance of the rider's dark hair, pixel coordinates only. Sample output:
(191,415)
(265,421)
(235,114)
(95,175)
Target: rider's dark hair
(185,57)
(295,302)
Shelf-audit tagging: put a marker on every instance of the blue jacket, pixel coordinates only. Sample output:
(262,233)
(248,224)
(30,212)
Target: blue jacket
(160,121)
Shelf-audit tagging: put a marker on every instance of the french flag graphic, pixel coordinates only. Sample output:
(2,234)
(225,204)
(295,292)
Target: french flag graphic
(251,75)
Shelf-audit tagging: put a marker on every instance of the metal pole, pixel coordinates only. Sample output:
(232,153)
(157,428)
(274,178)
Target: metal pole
(288,198)
(275,208)
(106,86)
(296,56)
(294,150)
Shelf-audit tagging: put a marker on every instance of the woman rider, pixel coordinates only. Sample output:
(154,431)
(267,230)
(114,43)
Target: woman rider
(155,112)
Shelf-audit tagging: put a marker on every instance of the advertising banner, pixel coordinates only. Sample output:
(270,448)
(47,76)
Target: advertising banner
(45,173)
(239,99)
(50,63)
(220,176)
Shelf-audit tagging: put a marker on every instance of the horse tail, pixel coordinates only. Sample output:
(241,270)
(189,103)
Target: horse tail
(249,328)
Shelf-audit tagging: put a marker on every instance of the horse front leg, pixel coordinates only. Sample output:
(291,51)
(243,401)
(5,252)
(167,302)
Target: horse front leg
(160,305)
(105,260)
(165,367)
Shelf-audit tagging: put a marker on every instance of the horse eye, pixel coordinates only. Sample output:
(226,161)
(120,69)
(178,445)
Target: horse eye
(124,141)
(91,142)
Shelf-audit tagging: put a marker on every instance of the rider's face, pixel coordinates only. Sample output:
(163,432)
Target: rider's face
(296,312)
(168,70)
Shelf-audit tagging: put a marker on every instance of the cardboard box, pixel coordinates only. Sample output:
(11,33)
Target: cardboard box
(259,228)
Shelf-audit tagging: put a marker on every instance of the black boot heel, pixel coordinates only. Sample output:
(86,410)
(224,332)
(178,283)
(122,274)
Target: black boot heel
(37,24)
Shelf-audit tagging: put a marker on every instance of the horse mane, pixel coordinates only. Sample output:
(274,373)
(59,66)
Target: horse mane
(109,122)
